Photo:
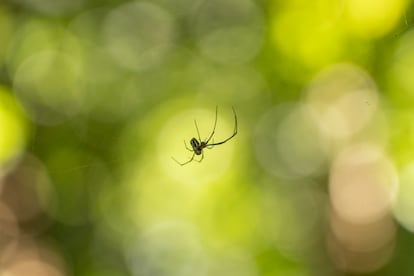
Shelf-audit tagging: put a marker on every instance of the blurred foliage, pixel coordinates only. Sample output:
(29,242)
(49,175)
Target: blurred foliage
(97,96)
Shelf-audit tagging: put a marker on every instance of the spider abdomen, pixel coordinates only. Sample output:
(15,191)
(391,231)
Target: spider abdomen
(195,144)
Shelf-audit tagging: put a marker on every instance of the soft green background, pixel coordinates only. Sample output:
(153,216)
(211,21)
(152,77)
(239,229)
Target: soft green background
(97,96)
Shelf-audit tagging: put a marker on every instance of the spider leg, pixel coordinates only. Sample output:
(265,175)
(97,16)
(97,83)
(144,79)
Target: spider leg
(182,164)
(198,133)
(234,132)
(187,147)
(214,127)
(202,157)
(211,146)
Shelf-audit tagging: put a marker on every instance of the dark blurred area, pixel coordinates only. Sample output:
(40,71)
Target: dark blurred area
(97,96)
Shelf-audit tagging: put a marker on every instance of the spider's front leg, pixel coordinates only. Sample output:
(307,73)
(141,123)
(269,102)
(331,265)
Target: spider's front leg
(187,147)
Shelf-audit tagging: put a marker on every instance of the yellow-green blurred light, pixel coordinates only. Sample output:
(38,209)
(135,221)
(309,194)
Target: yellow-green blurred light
(13,128)
(309,35)
(373,18)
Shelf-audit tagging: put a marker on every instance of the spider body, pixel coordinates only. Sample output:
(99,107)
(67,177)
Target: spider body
(197,145)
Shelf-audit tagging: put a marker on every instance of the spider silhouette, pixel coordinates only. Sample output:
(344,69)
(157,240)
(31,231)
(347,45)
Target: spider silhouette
(197,146)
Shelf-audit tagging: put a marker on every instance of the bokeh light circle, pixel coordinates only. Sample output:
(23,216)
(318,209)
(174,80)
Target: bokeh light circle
(309,34)
(15,128)
(169,248)
(129,40)
(37,35)
(181,128)
(361,247)
(229,32)
(363,183)
(373,18)
(47,84)
(280,144)
(29,257)
(28,192)
(342,100)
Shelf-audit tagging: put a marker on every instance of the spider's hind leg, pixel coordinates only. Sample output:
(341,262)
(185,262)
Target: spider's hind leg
(182,164)
(202,157)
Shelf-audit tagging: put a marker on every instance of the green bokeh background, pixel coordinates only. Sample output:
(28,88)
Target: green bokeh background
(97,96)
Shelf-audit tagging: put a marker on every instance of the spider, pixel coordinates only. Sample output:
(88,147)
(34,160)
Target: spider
(199,145)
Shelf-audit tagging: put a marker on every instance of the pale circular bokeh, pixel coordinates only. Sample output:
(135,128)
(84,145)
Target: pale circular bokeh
(354,262)
(87,26)
(363,183)
(138,34)
(28,192)
(37,35)
(29,257)
(361,247)
(342,100)
(109,93)
(288,143)
(229,32)
(363,237)
(170,248)
(48,86)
